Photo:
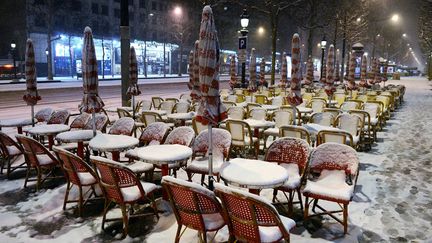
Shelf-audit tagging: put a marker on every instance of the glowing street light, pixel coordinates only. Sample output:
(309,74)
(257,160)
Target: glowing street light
(178,11)
(261,30)
(395,18)
(404,35)
(358,19)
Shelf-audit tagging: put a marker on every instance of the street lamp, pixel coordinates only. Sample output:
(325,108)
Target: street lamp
(178,14)
(13,46)
(244,22)
(404,35)
(395,18)
(323,46)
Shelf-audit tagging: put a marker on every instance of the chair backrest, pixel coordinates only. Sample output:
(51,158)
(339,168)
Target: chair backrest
(307,97)
(372,108)
(72,165)
(154,133)
(146,105)
(236,112)
(167,106)
(246,212)
(287,150)
(33,150)
(239,130)
(291,109)
(261,99)
(295,132)
(123,126)
(44,114)
(349,105)
(385,100)
(362,98)
(181,135)
(251,105)
(101,121)
(349,123)
(228,104)
(157,102)
(181,107)
(341,137)
(240,98)
(59,117)
(334,156)
(334,111)
(197,126)
(80,121)
(282,118)
(221,139)
(278,101)
(317,105)
(323,118)
(258,113)
(122,112)
(186,97)
(6,144)
(340,98)
(149,117)
(232,98)
(364,116)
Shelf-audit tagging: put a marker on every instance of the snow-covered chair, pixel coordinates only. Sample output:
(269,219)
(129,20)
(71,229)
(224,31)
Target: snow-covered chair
(341,137)
(167,106)
(10,152)
(194,207)
(77,173)
(44,114)
(349,105)
(298,115)
(293,155)
(261,99)
(101,121)
(281,118)
(181,107)
(80,121)
(59,117)
(229,104)
(366,136)
(186,97)
(242,137)
(221,140)
(252,218)
(157,101)
(122,112)
(317,104)
(251,105)
(39,159)
(374,112)
(351,124)
(149,117)
(335,111)
(146,105)
(333,172)
(236,112)
(121,186)
(123,126)
(323,118)
(197,126)
(257,113)
(294,131)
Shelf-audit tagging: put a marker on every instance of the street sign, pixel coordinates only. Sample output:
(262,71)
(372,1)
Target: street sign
(242,42)
(242,55)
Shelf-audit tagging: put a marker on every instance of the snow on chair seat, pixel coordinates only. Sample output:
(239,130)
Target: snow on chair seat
(44,114)
(10,152)
(330,184)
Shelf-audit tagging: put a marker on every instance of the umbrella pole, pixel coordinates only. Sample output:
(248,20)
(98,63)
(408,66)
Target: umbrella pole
(94,123)
(210,156)
(133,107)
(294,115)
(32,115)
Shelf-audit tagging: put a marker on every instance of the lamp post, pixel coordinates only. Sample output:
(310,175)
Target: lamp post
(13,49)
(323,46)
(178,14)
(244,22)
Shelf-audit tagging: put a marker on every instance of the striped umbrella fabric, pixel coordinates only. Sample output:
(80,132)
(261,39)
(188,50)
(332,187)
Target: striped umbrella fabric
(324,73)
(252,69)
(190,69)
(283,80)
(31,97)
(233,79)
(384,75)
(133,88)
(262,72)
(309,72)
(337,71)
(91,102)
(371,81)
(211,110)
(196,90)
(351,70)
(377,78)
(363,73)
(295,98)
(329,84)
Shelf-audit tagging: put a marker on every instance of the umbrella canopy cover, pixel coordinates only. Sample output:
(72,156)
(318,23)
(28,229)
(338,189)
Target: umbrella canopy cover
(190,69)
(337,71)
(351,70)
(283,80)
(133,74)
(377,78)
(31,97)
(196,92)
(252,69)
(263,81)
(309,72)
(294,97)
(384,75)
(91,101)
(329,84)
(233,79)
(363,73)
(211,110)
(323,79)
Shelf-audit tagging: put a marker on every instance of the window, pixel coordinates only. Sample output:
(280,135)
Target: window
(40,21)
(104,10)
(95,8)
(160,7)
(76,5)
(153,5)
(117,13)
(142,4)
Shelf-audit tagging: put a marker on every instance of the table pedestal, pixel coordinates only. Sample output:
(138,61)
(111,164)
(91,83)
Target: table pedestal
(19,130)
(255,191)
(80,150)
(115,155)
(50,141)
(164,172)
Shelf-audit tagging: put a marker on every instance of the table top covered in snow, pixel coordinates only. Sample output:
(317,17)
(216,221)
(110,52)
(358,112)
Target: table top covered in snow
(49,129)
(181,116)
(253,123)
(20,122)
(111,142)
(253,174)
(270,107)
(75,136)
(314,128)
(303,109)
(164,153)
(160,112)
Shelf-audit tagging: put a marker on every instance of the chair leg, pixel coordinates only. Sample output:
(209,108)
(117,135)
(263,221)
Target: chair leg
(39,177)
(80,201)
(27,177)
(275,191)
(177,237)
(106,205)
(345,217)
(125,221)
(204,236)
(306,210)
(300,199)
(66,195)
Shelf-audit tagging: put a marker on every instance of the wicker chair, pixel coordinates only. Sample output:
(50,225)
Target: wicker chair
(38,158)
(197,126)
(10,151)
(122,112)
(146,105)
(80,121)
(341,137)
(77,173)
(298,115)
(44,114)
(101,121)
(252,218)
(261,99)
(242,137)
(293,155)
(352,124)
(221,147)
(167,106)
(350,105)
(59,117)
(333,173)
(123,126)
(229,104)
(295,132)
(181,107)
(194,207)
(323,118)
(121,186)
(281,118)
(157,102)
(374,113)
(257,113)
(236,112)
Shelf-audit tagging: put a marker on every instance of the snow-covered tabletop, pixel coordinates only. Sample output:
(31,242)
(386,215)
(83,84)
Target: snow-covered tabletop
(20,122)
(303,109)
(314,128)
(112,143)
(253,174)
(48,129)
(270,107)
(253,123)
(181,116)
(242,104)
(164,153)
(75,136)
(160,112)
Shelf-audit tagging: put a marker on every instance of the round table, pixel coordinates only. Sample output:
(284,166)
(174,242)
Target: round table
(49,130)
(182,117)
(253,174)
(314,128)
(18,123)
(270,107)
(160,112)
(164,155)
(257,124)
(305,110)
(113,144)
(76,136)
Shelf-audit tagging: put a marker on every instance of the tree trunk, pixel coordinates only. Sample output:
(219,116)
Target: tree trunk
(335,39)
(145,59)
(70,57)
(274,29)
(343,49)
(49,58)
(180,59)
(103,59)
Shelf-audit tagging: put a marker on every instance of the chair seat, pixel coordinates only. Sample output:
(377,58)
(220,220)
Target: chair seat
(12,150)
(133,193)
(356,140)
(213,221)
(294,178)
(273,233)
(201,165)
(139,167)
(246,142)
(45,159)
(274,131)
(374,121)
(86,178)
(330,185)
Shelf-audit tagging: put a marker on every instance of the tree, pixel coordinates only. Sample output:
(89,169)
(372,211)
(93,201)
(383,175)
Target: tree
(425,34)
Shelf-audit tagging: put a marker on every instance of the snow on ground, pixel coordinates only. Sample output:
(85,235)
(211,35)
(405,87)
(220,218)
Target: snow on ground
(392,201)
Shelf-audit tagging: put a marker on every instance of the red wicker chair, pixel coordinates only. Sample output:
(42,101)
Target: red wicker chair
(10,151)
(194,207)
(44,114)
(121,186)
(80,121)
(101,121)
(221,148)
(77,173)
(123,126)
(293,155)
(333,173)
(252,218)
(59,117)
(38,158)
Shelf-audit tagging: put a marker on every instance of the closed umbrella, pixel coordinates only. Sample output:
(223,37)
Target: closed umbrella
(252,69)
(190,69)
(309,72)
(195,92)
(133,89)
(294,97)
(283,80)
(31,97)
(262,73)
(363,73)
(211,111)
(337,72)
(323,79)
(351,70)
(384,76)
(329,85)
(233,79)
(91,102)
